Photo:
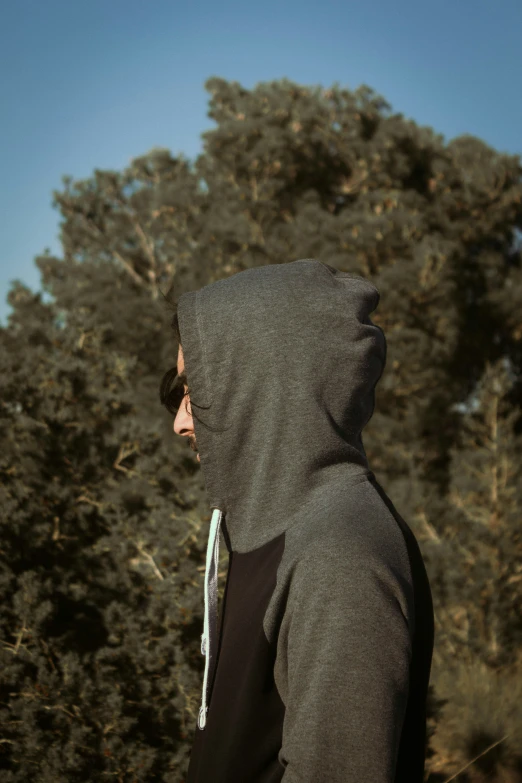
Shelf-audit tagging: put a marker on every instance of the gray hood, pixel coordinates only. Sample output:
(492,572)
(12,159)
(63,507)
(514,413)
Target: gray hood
(282,362)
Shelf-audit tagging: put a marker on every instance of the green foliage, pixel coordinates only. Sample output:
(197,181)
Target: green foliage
(93,618)
(103,510)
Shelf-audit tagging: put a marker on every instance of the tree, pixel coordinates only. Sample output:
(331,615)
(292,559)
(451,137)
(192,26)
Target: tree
(104,524)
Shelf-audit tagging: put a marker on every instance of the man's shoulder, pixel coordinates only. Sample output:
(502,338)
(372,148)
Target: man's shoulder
(359,526)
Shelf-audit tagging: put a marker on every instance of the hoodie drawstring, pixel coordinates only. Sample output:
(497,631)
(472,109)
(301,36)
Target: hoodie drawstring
(209,635)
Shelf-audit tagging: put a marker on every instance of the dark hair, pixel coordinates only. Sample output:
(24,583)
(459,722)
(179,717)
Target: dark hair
(171,387)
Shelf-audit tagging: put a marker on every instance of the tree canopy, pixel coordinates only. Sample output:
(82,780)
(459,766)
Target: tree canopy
(103,511)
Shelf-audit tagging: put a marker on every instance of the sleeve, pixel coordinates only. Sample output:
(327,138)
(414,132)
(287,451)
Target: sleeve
(348,652)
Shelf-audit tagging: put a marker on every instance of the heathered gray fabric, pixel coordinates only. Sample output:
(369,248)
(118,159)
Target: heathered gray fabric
(344,641)
(284,359)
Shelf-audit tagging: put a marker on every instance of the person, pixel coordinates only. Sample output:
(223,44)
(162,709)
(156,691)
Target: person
(320,670)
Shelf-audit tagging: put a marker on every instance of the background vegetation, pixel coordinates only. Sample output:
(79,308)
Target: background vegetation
(104,519)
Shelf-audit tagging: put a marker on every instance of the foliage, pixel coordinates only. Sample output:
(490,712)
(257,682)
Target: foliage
(104,514)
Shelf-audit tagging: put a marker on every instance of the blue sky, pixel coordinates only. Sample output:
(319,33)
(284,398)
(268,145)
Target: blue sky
(93,84)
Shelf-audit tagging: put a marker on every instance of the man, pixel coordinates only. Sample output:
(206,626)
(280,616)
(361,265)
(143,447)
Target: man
(321,668)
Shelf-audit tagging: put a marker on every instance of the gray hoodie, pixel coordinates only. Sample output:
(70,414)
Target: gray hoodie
(318,662)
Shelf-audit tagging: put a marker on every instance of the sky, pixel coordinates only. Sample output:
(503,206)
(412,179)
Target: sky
(94,84)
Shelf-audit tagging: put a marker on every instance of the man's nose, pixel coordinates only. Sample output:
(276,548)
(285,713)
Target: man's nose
(182,422)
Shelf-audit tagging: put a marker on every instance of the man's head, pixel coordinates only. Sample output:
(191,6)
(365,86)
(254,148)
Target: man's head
(322,373)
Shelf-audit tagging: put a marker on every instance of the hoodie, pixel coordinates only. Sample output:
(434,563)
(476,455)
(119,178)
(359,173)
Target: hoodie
(318,662)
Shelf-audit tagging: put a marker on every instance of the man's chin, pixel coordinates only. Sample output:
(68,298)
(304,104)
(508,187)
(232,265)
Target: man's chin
(197,457)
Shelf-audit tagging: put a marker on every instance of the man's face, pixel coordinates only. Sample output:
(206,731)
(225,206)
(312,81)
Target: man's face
(183,423)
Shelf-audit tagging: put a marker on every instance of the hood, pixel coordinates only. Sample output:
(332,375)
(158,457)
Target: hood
(282,362)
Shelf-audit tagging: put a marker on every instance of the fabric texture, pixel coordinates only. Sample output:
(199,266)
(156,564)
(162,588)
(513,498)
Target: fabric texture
(317,668)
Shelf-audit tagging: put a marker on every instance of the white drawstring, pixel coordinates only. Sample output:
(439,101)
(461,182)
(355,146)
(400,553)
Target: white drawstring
(209,635)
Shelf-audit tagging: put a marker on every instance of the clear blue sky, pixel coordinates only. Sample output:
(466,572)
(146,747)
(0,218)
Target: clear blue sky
(92,83)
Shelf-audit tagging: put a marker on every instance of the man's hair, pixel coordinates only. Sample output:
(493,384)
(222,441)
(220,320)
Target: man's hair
(171,391)
(171,386)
